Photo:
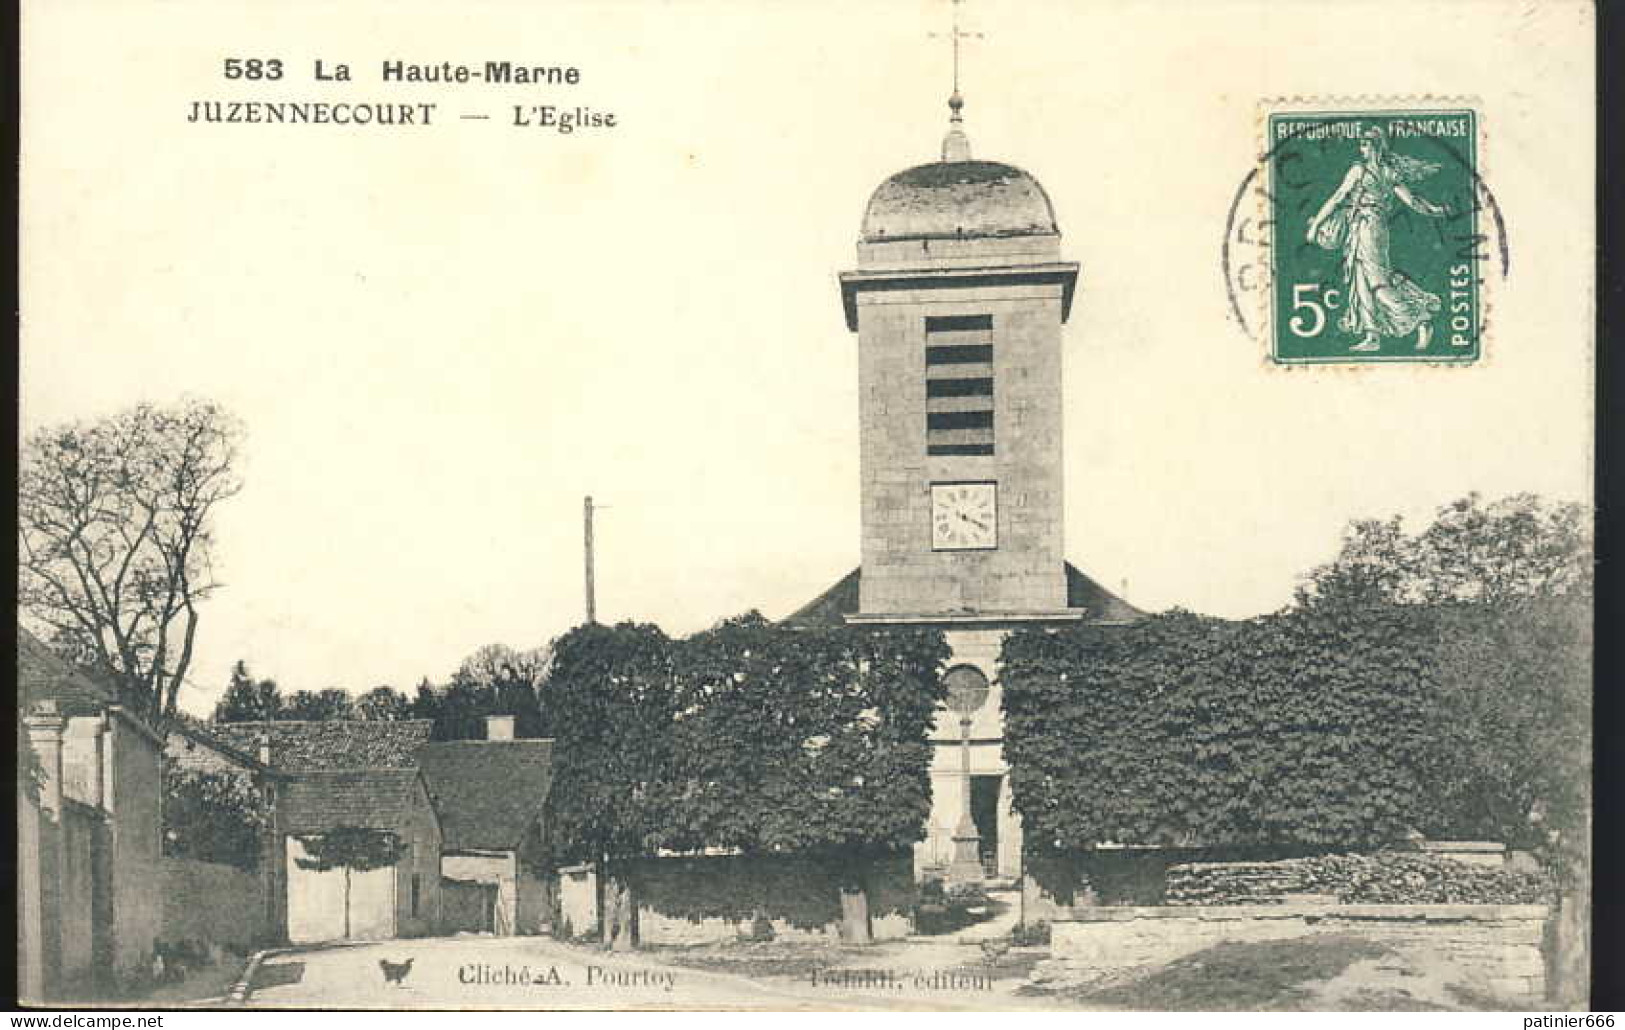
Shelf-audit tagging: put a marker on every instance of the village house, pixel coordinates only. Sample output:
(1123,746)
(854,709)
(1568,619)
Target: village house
(221,899)
(348,774)
(88,829)
(490,795)
(401,900)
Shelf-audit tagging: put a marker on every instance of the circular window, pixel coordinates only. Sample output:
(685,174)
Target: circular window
(967,689)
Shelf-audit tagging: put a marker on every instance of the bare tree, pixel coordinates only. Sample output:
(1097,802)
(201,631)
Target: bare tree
(114,539)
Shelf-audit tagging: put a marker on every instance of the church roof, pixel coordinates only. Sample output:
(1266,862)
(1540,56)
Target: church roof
(958,199)
(832,606)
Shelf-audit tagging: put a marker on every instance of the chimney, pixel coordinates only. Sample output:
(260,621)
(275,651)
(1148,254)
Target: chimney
(499,727)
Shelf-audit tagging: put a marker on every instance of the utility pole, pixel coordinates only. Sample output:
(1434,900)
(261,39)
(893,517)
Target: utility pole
(586,511)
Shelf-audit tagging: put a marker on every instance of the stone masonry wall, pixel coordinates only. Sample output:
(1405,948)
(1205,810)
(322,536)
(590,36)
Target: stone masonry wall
(1496,948)
(901,572)
(212,903)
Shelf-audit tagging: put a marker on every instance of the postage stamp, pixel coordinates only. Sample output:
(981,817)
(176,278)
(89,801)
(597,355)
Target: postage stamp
(1375,249)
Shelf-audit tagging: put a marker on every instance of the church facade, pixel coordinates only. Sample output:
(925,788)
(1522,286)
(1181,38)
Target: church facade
(958,301)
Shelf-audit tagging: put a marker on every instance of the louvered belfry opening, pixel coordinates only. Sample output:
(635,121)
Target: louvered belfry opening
(959,384)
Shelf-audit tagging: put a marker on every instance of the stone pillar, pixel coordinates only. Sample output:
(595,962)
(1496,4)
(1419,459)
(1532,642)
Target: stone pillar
(967,864)
(98,767)
(44,726)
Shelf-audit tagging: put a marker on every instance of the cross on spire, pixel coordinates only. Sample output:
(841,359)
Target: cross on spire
(954,37)
(955,145)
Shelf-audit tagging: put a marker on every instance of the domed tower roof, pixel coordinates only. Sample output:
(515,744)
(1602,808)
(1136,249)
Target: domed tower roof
(958,198)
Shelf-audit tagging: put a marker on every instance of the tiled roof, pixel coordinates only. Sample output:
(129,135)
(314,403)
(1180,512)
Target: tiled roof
(488,792)
(1101,604)
(183,725)
(379,799)
(333,744)
(832,606)
(42,676)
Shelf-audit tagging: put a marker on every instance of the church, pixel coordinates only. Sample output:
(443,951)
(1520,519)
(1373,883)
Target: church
(958,301)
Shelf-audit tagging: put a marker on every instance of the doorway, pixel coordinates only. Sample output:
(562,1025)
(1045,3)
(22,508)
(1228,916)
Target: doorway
(984,812)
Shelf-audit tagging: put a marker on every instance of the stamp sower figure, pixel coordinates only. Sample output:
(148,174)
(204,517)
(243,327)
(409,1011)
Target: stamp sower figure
(1380,299)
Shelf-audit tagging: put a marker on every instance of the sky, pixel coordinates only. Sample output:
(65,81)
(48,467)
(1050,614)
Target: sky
(440,340)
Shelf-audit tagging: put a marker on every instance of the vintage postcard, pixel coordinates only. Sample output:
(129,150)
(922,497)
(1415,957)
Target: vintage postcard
(924,505)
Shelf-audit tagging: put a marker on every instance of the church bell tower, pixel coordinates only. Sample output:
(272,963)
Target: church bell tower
(958,300)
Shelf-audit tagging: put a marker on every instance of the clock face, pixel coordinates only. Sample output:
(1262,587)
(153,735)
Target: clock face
(964,516)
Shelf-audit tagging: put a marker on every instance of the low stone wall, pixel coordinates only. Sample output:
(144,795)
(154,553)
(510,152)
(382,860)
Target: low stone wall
(1497,948)
(713,899)
(212,904)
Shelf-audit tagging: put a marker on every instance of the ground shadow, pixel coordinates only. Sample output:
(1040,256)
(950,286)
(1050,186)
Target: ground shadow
(278,974)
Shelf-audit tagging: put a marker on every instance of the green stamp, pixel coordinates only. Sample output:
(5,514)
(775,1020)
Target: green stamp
(1374,241)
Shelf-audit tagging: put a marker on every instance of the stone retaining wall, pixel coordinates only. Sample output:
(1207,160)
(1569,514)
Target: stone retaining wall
(1496,948)
(212,904)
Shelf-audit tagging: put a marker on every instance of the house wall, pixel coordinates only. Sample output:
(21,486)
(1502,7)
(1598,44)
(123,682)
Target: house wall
(316,901)
(188,753)
(81,919)
(464,906)
(32,941)
(496,871)
(712,899)
(575,912)
(422,863)
(532,903)
(212,903)
(82,759)
(1494,949)
(134,799)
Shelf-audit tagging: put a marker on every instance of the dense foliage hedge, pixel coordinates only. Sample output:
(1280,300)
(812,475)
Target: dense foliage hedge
(748,736)
(1336,728)
(212,817)
(1385,878)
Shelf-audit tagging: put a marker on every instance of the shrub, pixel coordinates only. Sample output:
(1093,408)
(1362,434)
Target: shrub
(1028,935)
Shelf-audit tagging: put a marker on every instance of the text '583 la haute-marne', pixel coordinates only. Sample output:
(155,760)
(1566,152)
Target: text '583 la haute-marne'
(562,119)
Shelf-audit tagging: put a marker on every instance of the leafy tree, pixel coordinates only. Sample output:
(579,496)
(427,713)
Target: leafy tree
(495,680)
(383,704)
(1436,682)
(1513,725)
(614,705)
(212,816)
(247,699)
(1515,548)
(1288,729)
(115,537)
(748,736)
(317,705)
(803,740)
(354,849)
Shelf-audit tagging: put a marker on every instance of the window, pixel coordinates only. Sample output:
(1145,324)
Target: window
(959,384)
(417,893)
